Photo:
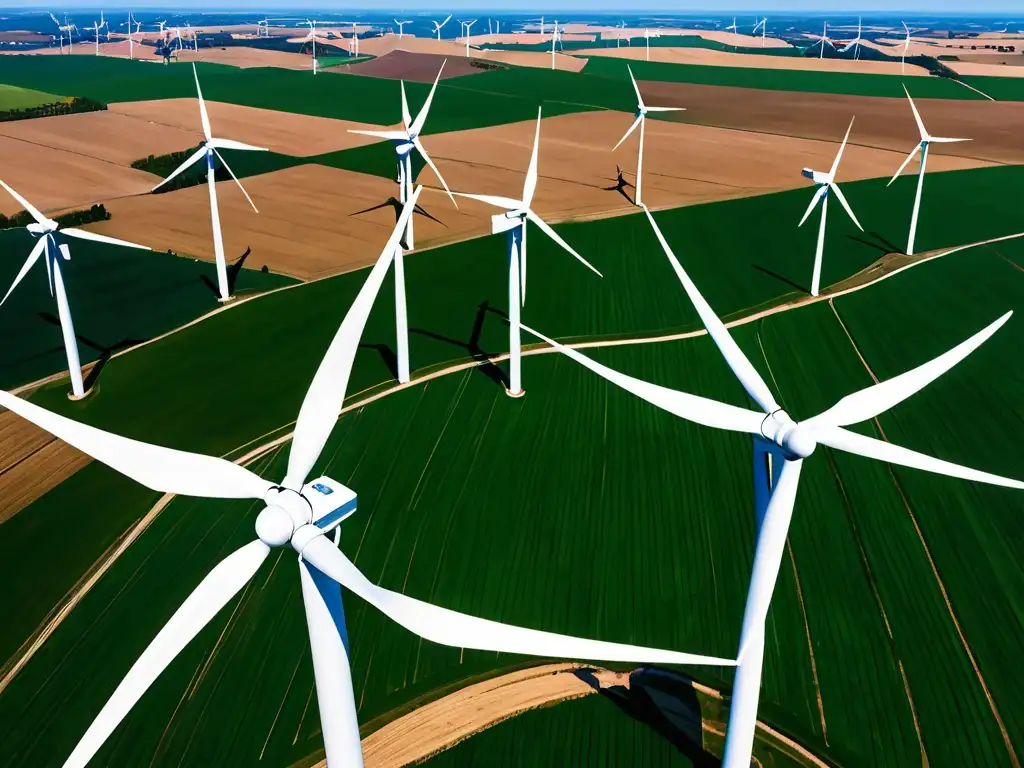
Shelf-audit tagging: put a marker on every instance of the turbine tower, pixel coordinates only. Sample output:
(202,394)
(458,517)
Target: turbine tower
(926,140)
(466,26)
(513,223)
(401,25)
(405,141)
(641,118)
(95,28)
(780,446)
(855,43)
(826,183)
(208,150)
(555,37)
(353,45)
(823,41)
(301,514)
(906,47)
(763,24)
(437,27)
(46,230)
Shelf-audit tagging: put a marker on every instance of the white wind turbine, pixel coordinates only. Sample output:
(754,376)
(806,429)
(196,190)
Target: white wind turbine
(312,37)
(922,146)
(732,27)
(763,24)
(353,46)
(513,222)
(405,141)
(437,27)
(780,446)
(300,514)
(906,47)
(826,182)
(641,118)
(823,40)
(401,25)
(555,37)
(47,246)
(95,28)
(855,43)
(466,26)
(208,150)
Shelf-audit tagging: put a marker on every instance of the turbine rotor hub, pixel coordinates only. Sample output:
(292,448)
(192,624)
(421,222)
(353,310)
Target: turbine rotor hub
(795,439)
(274,526)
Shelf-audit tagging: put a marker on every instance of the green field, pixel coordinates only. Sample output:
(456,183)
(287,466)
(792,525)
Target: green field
(118,298)
(999,88)
(12,97)
(849,83)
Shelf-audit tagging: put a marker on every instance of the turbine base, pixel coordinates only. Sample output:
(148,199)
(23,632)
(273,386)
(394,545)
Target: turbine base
(228,300)
(75,398)
(516,395)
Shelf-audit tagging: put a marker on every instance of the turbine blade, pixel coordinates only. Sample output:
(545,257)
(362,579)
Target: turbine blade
(426,158)
(547,230)
(406,115)
(639,98)
(906,162)
(328,641)
(846,206)
(389,135)
(232,144)
(228,168)
(699,410)
(664,109)
(530,185)
(917,116)
(941,140)
(163,469)
(192,160)
(213,593)
(421,118)
(323,401)
(505,203)
(202,106)
(852,442)
(839,154)
(771,544)
(734,357)
(447,627)
(631,129)
(86,235)
(33,257)
(32,210)
(874,400)
(819,193)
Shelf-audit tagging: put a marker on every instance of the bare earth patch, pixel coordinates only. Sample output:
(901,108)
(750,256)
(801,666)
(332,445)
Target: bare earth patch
(285,132)
(244,57)
(995,69)
(378,46)
(726,38)
(711,57)
(414,67)
(32,462)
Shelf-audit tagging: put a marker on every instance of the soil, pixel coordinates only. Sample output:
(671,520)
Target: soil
(285,132)
(638,52)
(414,67)
(379,46)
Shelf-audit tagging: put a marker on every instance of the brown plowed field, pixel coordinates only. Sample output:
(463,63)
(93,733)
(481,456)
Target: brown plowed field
(414,67)
(308,225)
(710,57)
(286,132)
(882,123)
(245,57)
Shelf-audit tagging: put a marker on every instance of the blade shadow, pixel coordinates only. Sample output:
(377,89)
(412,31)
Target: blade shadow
(387,354)
(781,278)
(105,352)
(488,368)
(396,204)
(620,186)
(233,270)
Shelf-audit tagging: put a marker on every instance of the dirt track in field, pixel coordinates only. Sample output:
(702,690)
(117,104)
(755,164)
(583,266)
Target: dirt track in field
(32,462)
(881,122)
(285,132)
(715,58)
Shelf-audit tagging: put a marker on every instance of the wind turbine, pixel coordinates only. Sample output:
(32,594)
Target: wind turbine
(44,230)
(437,27)
(647,45)
(405,141)
(466,26)
(823,40)
(401,24)
(906,47)
(542,25)
(780,446)
(855,43)
(513,222)
(301,514)
(95,28)
(161,24)
(926,140)
(208,150)
(826,182)
(555,37)
(131,40)
(732,27)
(641,118)
(312,36)
(763,24)
(60,32)
(353,48)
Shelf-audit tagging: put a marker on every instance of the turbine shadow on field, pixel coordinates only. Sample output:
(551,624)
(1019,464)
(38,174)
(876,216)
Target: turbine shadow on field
(387,354)
(781,278)
(880,243)
(394,203)
(105,352)
(665,702)
(620,186)
(486,367)
(233,270)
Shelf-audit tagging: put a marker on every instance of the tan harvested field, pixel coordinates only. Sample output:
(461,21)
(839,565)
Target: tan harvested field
(414,67)
(379,46)
(525,38)
(920,47)
(686,164)
(333,42)
(540,59)
(751,60)
(988,70)
(286,132)
(71,180)
(245,57)
(108,135)
(883,123)
(32,462)
(726,38)
(308,226)
(1006,59)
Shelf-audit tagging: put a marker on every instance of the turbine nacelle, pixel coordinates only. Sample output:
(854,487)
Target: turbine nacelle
(321,505)
(818,177)
(503,222)
(795,439)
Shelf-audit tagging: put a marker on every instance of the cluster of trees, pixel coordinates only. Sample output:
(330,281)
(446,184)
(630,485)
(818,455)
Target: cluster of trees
(163,165)
(63,107)
(74,219)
